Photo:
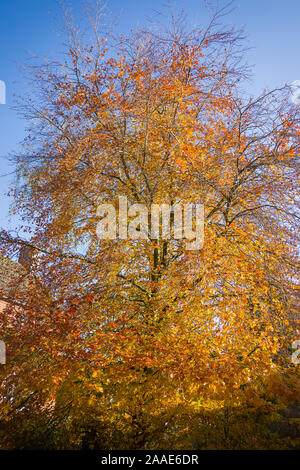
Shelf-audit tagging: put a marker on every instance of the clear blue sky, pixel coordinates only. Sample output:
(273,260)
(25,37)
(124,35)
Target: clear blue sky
(29,27)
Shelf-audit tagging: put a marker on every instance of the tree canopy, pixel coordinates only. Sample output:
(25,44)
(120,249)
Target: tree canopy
(143,344)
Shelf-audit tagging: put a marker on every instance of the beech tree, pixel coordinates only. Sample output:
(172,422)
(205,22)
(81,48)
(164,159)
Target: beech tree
(144,344)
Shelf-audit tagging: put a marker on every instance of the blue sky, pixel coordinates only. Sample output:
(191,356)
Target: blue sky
(30,28)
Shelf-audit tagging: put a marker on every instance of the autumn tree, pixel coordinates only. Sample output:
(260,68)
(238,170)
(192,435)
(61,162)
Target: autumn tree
(143,343)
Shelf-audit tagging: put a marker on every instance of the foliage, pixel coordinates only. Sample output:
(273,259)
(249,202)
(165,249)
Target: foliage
(144,344)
